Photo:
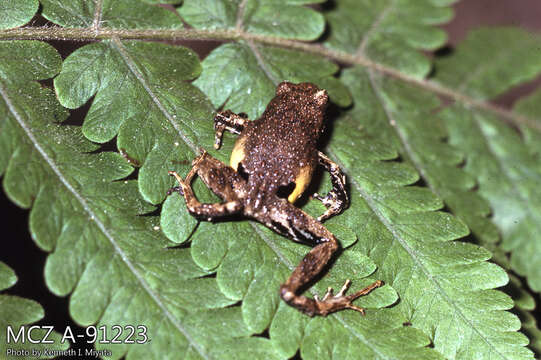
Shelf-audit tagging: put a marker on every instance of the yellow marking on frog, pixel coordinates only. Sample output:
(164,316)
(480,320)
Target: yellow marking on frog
(237,155)
(302,180)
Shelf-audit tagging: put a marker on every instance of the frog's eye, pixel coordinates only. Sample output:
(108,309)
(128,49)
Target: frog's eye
(321,97)
(284,191)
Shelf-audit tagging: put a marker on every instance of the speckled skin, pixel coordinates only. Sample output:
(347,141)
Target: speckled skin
(283,140)
(272,162)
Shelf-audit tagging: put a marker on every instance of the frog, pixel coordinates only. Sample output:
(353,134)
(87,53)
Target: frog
(271,165)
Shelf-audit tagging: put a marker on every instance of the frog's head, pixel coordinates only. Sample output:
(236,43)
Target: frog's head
(306,92)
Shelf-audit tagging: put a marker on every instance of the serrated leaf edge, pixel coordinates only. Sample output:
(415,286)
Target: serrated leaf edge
(99,224)
(372,204)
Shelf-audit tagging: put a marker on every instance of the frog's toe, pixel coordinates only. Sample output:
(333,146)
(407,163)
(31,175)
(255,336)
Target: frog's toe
(177,176)
(332,202)
(340,301)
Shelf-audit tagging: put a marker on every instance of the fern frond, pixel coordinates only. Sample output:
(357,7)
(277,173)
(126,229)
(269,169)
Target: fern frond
(271,18)
(115,263)
(391,133)
(17,13)
(16,312)
(507,171)
(114,14)
(389,32)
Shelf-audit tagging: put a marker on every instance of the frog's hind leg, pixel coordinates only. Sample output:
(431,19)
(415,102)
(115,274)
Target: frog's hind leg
(337,199)
(227,120)
(307,229)
(219,178)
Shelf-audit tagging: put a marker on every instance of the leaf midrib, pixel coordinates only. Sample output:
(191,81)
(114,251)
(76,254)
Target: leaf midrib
(104,33)
(98,4)
(374,27)
(371,202)
(503,169)
(93,217)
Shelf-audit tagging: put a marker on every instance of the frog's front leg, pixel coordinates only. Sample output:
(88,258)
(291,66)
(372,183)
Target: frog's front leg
(227,120)
(307,229)
(337,199)
(220,178)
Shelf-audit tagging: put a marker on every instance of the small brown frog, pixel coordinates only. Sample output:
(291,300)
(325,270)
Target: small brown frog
(271,165)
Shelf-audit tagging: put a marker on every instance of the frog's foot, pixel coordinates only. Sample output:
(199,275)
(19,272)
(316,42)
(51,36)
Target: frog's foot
(227,120)
(331,303)
(333,202)
(184,183)
(180,189)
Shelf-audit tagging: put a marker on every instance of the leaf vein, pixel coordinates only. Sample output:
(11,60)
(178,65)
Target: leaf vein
(86,207)
(98,7)
(131,65)
(240,15)
(504,170)
(261,62)
(415,257)
(374,27)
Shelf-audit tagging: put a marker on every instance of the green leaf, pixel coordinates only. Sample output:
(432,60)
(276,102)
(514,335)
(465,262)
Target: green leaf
(272,18)
(401,343)
(389,32)
(243,77)
(216,295)
(529,106)
(256,261)
(176,222)
(115,264)
(17,13)
(251,262)
(240,280)
(423,143)
(16,314)
(7,277)
(508,178)
(524,303)
(117,14)
(506,169)
(412,235)
(483,68)
(136,98)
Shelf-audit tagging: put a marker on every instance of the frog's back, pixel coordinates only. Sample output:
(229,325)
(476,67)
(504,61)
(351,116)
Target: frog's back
(279,148)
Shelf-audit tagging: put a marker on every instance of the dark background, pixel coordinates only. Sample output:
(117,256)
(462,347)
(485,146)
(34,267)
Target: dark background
(20,252)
